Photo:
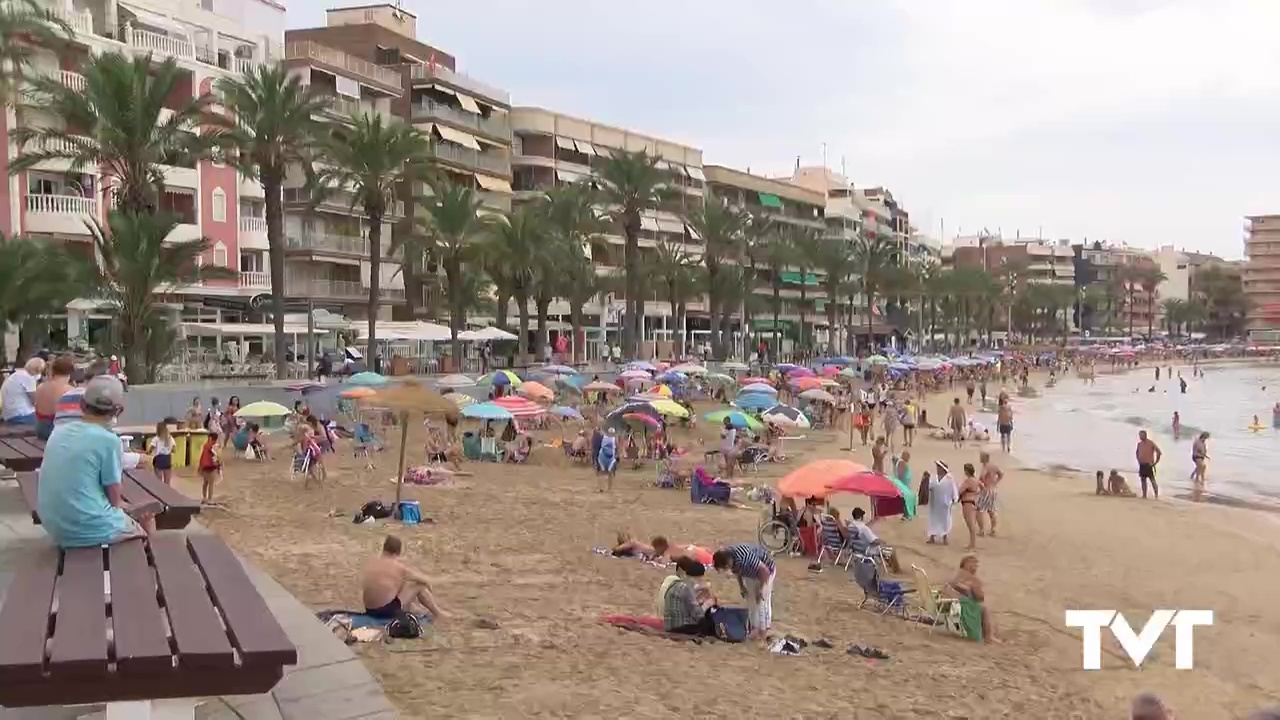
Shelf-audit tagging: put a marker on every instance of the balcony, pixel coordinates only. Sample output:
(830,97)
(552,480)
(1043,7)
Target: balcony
(80,21)
(252,280)
(59,145)
(315,52)
(330,243)
(497,164)
(250,224)
(339,202)
(343,108)
(488,92)
(338,289)
(73,80)
(162,45)
(62,214)
(497,126)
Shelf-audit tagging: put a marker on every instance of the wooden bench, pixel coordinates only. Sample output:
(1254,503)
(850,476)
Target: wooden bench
(22,431)
(172,616)
(141,491)
(21,454)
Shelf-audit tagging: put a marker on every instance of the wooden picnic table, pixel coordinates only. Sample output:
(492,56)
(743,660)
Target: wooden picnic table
(7,430)
(140,490)
(169,616)
(21,454)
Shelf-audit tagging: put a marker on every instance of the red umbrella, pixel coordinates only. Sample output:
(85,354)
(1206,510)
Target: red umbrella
(830,370)
(865,482)
(820,478)
(519,407)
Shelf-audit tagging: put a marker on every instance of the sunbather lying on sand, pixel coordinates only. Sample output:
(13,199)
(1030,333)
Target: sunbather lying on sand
(658,548)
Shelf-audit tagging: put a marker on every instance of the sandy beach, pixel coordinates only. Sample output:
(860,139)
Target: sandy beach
(512,545)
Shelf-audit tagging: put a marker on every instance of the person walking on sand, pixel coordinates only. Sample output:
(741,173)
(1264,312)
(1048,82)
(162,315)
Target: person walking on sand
(878,452)
(956,422)
(1148,454)
(1200,459)
(1004,423)
(1177,424)
(968,492)
(941,496)
(990,477)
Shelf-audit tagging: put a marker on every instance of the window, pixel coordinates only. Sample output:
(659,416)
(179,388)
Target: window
(43,186)
(220,255)
(219,205)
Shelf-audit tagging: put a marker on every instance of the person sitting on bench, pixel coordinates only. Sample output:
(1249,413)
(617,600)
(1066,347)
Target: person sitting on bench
(390,587)
(79,497)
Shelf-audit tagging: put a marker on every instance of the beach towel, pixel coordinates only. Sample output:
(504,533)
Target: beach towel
(971,618)
(667,582)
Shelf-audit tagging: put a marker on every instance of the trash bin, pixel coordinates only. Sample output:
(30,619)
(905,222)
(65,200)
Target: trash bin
(471,445)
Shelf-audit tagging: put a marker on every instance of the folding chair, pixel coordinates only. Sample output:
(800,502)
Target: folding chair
(301,464)
(886,597)
(834,542)
(934,610)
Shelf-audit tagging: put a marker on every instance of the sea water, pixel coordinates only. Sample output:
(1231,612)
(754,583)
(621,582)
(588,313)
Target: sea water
(1089,427)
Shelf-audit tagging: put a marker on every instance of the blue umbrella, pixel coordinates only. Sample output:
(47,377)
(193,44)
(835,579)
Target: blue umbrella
(566,412)
(785,367)
(486,411)
(672,376)
(900,367)
(755,401)
(367,379)
(759,388)
(641,365)
(558,370)
(841,360)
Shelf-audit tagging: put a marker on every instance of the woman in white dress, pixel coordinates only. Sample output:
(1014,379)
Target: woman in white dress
(942,495)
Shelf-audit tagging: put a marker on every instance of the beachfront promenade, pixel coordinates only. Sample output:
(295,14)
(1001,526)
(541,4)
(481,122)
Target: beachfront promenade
(328,683)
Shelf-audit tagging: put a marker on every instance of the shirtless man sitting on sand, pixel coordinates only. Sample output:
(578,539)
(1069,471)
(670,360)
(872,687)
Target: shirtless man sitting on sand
(389,586)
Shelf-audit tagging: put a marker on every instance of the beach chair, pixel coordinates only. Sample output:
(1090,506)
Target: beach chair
(834,542)
(934,610)
(301,464)
(753,456)
(885,597)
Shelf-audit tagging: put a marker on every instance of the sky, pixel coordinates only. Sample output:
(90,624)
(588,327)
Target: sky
(1148,122)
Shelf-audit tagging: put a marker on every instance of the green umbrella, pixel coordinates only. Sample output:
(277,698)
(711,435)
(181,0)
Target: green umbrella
(878,360)
(737,417)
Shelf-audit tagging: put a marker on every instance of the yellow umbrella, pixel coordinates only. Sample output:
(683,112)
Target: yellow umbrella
(662,390)
(460,400)
(535,390)
(669,408)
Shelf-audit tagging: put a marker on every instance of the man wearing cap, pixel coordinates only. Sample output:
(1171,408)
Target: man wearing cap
(79,498)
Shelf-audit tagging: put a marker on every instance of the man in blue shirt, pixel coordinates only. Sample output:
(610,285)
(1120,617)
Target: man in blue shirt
(79,499)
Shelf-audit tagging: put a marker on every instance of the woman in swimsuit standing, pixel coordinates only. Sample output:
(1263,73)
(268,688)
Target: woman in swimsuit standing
(969,489)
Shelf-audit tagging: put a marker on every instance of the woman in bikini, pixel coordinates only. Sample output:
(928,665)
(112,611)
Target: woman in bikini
(969,489)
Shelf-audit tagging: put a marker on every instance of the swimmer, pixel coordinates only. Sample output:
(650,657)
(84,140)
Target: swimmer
(1255,425)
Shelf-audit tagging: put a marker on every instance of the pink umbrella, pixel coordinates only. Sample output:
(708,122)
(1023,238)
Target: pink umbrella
(519,407)
(800,372)
(864,482)
(830,370)
(634,375)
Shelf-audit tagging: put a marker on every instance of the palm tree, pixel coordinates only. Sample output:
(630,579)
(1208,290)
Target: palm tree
(631,184)
(722,228)
(36,281)
(119,112)
(581,284)
(452,229)
(758,232)
(774,255)
(370,158)
(268,128)
(514,246)
(1150,279)
(675,270)
(1095,299)
(24,24)
(135,265)
(872,259)
(1175,311)
(832,257)
(574,221)
(803,258)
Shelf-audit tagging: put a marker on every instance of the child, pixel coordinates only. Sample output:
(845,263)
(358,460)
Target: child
(255,442)
(161,450)
(210,468)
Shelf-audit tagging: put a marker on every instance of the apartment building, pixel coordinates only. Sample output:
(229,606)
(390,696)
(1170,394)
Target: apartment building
(551,149)
(1041,260)
(210,39)
(1262,271)
(1107,262)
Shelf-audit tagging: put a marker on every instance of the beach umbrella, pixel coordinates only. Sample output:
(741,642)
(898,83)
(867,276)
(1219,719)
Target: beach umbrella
(737,419)
(785,367)
(558,370)
(672,376)
(460,400)
(641,365)
(759,388)
(841,360)
(500,378)
(455,381)
(536,390)
(660,391)
(635,374)
(599,386)
(849,373)
(410,397)
(566,412)
(755,401)
(641,420)
(690,369)
(830,370)
(800,372)
(818,396)
(865,482)
(900,367)
(734,366)
(641,406)
(754,380)
(806,383)
(827,382)
(812,479)
(878,360)
(304,387)
(367,379)
(486,411)
(785,415)
(670,408)
(358,392)
(263,408)
(520,407)
(720,379)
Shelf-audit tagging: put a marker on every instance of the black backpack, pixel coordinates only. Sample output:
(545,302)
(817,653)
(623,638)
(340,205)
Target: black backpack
(404,627)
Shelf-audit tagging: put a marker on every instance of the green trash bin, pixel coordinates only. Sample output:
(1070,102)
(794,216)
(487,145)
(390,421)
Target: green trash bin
(471,445)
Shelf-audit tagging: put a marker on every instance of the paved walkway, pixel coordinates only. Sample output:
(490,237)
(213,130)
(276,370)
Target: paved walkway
(329,682)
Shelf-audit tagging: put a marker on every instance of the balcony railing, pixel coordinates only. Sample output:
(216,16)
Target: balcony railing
(496,126)
(251,224)
(253,280)
(466,82)
(157,43)
(307,50)
(62,205)
(80,21)
(346,289)
(500,164)
(73,80)
(339,201)
(330,242)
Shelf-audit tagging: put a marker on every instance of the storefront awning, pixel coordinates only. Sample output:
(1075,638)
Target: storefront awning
(794,278)
(671,226)
(770,201)
(648,223)
(458,137)
(566,176)
(493,183)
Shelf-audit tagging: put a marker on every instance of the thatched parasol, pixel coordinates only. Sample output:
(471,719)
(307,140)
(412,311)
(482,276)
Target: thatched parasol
(406,398)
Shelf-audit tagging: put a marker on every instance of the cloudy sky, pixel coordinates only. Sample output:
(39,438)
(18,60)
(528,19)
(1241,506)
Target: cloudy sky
(1144,121)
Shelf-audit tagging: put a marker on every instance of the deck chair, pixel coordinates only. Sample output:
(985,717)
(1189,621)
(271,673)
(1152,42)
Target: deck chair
(933,610)
(753,457)
(301,464)
(885,597)
(834,542)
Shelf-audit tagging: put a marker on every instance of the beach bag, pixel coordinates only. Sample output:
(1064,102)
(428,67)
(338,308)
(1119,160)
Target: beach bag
(731,624)
(410,512)
(404,627)
(375,509)
(922,495)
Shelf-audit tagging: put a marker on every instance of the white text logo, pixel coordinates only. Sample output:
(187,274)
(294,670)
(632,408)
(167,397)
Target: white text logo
(1138,645)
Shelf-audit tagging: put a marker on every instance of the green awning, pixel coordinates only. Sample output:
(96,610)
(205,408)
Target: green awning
(766,323)
(794,278)
(772,201)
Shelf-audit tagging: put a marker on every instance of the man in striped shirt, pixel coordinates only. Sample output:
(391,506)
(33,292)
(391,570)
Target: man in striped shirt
(755,570)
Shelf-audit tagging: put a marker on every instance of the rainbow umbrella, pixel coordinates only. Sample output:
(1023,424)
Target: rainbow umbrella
(737,419)
(500,378)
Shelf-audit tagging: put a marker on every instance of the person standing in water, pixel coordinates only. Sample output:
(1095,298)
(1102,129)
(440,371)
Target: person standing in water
(1199,459)
(1182,384)
(1177,425)
(1148,454)
(1004,423)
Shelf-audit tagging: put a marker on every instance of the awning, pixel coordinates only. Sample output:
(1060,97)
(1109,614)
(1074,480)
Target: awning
(648,223)
(671,226)
(770,201)
(585,147)
(146,17)
(458,137)
(489,142)
(696,173)
(492,183)
(794,278)
(693,233)
(445,90)
(680,169)
(565,143)
(240,329)
(468,103)
(567,176)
